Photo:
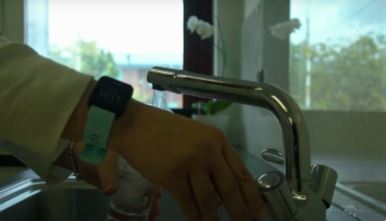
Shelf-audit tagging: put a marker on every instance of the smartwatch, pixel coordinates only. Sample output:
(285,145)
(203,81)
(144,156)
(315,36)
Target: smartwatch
(107,103)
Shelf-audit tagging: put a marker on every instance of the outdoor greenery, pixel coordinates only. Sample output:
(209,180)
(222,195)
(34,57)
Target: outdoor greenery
(87,58)
(212,107)
(346,76)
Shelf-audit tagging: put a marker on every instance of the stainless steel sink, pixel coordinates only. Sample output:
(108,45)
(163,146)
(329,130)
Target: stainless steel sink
(367,200)
(373,190)
(33,200)
(28,198)
(59,205)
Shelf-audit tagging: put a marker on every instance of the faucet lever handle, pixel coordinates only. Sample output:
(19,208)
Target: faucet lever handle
(323,181)
(277,194)
(272,155)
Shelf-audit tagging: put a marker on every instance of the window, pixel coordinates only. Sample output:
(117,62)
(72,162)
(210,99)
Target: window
(121,39)
(338,76)
(337,58)
(336,73)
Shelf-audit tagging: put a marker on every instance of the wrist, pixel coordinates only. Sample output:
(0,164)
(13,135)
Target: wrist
(67,160)
(75,125)
(121,127)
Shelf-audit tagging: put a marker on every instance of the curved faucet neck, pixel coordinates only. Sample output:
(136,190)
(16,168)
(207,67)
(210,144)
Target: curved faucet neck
(297,152)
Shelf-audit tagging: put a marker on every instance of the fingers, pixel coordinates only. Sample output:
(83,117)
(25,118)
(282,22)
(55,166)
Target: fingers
(204,193)
(246,183)
(108,173)
(86,171)
(103,176)
(229,191)
(155,206)
(186,200)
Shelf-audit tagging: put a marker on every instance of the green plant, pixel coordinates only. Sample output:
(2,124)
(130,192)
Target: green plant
(212,107)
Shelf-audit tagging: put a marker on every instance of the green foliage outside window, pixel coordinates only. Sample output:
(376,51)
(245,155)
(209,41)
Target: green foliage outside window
(87,58)
(349,77)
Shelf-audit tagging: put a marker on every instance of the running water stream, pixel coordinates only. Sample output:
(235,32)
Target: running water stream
(159,99)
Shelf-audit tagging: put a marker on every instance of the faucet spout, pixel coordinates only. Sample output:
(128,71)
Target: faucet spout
(297,150)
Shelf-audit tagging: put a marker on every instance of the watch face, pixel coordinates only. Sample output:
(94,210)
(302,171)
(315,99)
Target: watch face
(111,95)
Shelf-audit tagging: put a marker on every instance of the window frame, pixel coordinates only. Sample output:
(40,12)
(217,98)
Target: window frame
(198,54)
(276,51)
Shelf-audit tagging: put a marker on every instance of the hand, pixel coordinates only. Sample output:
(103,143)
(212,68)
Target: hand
(191,160)
(155,206)
(103,176)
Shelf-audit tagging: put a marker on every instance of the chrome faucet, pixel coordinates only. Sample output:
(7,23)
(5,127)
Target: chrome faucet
(306,192)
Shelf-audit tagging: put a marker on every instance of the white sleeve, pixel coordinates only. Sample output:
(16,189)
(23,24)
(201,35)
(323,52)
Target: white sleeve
(52,174)
(37,97)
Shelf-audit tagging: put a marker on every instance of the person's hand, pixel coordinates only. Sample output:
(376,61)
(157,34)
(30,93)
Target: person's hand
(193,161)
(155,209)
(103,176)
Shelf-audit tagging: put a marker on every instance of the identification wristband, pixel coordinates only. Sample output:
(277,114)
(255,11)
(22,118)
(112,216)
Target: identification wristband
(98,126)
(107,102)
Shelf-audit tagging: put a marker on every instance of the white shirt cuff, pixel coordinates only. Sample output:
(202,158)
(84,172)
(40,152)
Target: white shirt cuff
(45,169)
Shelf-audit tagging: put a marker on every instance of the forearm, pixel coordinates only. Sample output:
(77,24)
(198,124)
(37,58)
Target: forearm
(37,97)
(75,126)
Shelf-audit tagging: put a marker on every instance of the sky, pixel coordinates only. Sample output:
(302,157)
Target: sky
(121,26)
(335,20)
(155,26)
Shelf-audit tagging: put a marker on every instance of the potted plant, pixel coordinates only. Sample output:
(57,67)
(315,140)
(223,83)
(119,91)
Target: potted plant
(211,113)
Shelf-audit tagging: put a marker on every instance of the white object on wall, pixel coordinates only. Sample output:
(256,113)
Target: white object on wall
(202,28)
(283,30)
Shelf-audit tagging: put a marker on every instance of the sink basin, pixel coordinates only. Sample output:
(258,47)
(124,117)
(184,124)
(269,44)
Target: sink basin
(366,199)
(32,200)
(61,205)
(28,198)
(374,190)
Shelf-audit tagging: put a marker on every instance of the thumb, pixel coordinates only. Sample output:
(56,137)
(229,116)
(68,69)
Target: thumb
(108,173)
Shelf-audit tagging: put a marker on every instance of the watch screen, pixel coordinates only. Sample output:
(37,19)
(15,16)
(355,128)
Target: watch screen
(111,95)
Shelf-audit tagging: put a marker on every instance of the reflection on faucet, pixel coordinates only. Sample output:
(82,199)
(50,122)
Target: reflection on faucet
(301,190)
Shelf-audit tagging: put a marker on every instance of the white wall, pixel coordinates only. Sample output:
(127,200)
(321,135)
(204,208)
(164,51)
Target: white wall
(260,127)
(262,52)
(229,16)
(244,34)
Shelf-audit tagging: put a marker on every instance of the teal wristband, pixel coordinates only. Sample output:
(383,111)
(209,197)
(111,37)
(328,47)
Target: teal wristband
(97,131)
